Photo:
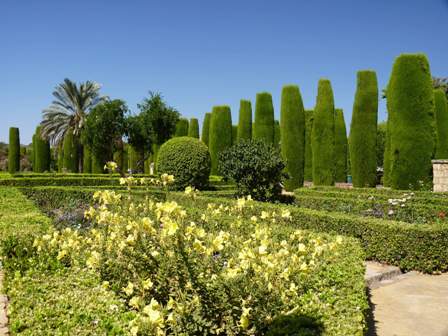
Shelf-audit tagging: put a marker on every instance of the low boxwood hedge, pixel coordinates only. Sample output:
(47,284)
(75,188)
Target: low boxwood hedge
(410,247)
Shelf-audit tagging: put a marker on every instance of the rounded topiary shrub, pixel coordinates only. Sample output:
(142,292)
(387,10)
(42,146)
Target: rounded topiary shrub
(188,159)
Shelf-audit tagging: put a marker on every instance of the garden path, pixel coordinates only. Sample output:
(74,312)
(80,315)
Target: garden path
(410,304)
(3,316)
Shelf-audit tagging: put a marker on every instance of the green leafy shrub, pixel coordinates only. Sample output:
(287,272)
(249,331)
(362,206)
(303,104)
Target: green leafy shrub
(363,130)
(292,124)
(186,158)
(256,168)
(410,130)
(264,118)
(322,135)
(70,147)
(441,114)
(220,134)
(340,147)
(193,128)
(206,128)
(245,121)
(14,150)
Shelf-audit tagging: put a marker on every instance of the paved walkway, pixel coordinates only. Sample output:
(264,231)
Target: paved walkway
(3,317)
(410,304)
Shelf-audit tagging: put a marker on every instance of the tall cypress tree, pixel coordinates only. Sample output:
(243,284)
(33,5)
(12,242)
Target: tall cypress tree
(181,128)
(206,128)
(322,135)
(70,161)
(264,118)
(87,160)
(245,121)
(410,137)
(42,154)
(193,128)
(60,158)
(340,147)
(14,150)
(277,134)
(292,128)
(234,134)
(220,134)
(308,169)
(441,110)
(363,130)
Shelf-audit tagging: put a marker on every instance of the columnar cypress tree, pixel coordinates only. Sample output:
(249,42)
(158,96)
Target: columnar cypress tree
(155,155)
(125,157)
(308,170)
(220,134)
(193,128)
(33,158)
(87,160)
(70,144)
(60,157)
(234,134)
(181,128)
(97,164)
(277,134)
(322,135)
(292,126)
(363,130)
(441,108)
(118,158)
(340,147)
(206,128)
(42,154)
(411,133)
(245,121)
(14,150)
(264,118)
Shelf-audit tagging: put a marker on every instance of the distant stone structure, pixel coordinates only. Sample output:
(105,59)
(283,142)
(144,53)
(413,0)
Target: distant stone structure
(440,173)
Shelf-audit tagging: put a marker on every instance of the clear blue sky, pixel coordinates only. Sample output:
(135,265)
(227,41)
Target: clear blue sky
(205,53)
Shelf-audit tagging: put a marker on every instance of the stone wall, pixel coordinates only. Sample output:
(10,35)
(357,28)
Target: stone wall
(440,179)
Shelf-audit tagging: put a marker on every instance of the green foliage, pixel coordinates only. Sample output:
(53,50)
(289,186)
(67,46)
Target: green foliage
(340,147)
(264,118)
(87,160)
(277,133)
(256,168)
(411,134)
(193,128)
(322,135)
(14,150)
(104,128)
(41,152)
(292,118)
(206,128)
(234,134)
(220,137)
(135,159)
(308,169)
(186,158)
(182,128)
(441,119)
(363,130)
(245,121)
(380,143)
(70,147)
(60,158)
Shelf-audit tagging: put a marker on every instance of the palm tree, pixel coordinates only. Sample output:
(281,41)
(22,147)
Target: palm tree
(69,109)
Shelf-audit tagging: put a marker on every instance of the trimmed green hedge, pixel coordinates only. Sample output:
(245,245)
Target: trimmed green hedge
(14,150)
(410,247)
(41,153)
(308,169)
(292,124)
(70,147)
(181,128)
(59,181)
(322,135)
(363,130)
(264,118)
(411,133)
(245,121)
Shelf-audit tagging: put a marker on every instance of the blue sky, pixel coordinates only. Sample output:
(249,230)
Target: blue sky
(205,53)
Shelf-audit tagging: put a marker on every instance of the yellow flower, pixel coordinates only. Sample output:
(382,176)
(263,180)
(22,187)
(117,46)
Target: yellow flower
(153,313)
(135,302)
(244,319)
(147,284)
(129,289)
